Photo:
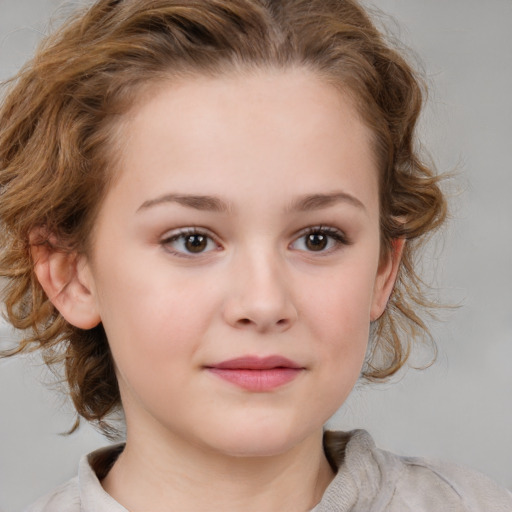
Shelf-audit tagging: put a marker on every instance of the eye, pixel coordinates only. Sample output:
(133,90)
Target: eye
(319,239)
(189,242)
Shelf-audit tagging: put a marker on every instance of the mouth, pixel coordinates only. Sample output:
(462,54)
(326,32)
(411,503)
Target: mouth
(257,374)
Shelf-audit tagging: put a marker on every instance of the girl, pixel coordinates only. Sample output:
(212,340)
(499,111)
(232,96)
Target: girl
(205,207)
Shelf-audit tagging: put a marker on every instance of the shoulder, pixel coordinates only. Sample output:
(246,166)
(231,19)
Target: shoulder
(384,481)
(66,497)
(444,485)
(84,493)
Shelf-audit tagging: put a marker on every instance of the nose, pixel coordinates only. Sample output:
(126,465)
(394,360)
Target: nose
(260,297)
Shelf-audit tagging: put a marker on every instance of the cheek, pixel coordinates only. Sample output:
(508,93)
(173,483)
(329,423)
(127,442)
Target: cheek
(155,333)
(341,303)
(152,321)
(340,332)
(339,320)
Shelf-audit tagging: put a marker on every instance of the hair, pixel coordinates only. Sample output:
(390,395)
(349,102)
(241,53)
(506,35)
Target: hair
(58,149)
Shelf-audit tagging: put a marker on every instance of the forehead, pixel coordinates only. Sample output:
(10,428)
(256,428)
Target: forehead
(245,129)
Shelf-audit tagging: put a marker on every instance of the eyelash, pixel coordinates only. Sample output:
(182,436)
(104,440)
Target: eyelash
(182,234)
(336,236)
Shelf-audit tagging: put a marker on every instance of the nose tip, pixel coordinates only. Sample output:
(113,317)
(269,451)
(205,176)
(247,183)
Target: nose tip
(261,301)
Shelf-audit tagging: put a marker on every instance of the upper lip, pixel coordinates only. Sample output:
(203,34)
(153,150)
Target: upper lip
(256,363)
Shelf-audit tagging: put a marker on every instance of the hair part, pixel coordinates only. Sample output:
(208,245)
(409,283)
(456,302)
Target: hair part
(60,143)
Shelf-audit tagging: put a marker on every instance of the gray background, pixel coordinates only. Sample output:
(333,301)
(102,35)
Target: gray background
(460,409)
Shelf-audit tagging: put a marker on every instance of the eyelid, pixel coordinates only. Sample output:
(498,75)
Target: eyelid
(174,235)
(336,234)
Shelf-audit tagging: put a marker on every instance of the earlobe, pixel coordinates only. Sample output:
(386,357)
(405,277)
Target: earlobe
(66,281)
(385,280)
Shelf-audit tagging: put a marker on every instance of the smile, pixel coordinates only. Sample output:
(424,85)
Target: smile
(257,374)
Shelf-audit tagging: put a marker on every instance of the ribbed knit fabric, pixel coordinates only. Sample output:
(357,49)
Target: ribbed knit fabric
(368,480)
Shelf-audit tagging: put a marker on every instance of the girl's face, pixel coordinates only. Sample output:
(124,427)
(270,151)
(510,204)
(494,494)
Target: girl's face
(235,262)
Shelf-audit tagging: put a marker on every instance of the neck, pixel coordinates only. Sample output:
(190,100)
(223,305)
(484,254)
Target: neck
(179,476)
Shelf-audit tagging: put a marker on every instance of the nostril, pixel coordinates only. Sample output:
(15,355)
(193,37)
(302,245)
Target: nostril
(247,321)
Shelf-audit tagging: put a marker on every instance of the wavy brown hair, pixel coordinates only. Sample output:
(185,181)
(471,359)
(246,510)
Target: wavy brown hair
(58,147)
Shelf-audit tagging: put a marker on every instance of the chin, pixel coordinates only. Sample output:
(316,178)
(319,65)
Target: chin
(257,440)
(256,447)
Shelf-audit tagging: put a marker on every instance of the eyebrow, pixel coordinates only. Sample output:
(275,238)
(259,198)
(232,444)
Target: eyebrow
(203,203)
(214,204)
(319,201)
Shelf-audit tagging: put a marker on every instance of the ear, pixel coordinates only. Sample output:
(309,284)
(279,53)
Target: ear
(67,281)
(386,277)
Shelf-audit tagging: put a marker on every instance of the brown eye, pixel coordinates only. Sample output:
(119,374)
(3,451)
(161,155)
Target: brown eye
(188,243)
(196,243)
(320,239)
(316,241)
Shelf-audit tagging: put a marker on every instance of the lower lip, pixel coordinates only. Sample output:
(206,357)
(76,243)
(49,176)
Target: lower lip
(257,380)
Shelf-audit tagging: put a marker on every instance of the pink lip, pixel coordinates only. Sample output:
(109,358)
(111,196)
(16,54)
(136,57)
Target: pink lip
(256,373)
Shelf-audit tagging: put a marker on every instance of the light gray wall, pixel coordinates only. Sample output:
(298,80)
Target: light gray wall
(460,409)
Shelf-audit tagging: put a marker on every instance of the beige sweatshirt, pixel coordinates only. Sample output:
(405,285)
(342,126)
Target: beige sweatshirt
(367,480)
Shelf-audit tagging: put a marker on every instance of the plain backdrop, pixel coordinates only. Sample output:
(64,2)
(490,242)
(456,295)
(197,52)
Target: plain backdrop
(461,408)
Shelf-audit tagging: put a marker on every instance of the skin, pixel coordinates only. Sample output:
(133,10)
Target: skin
(261,144)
